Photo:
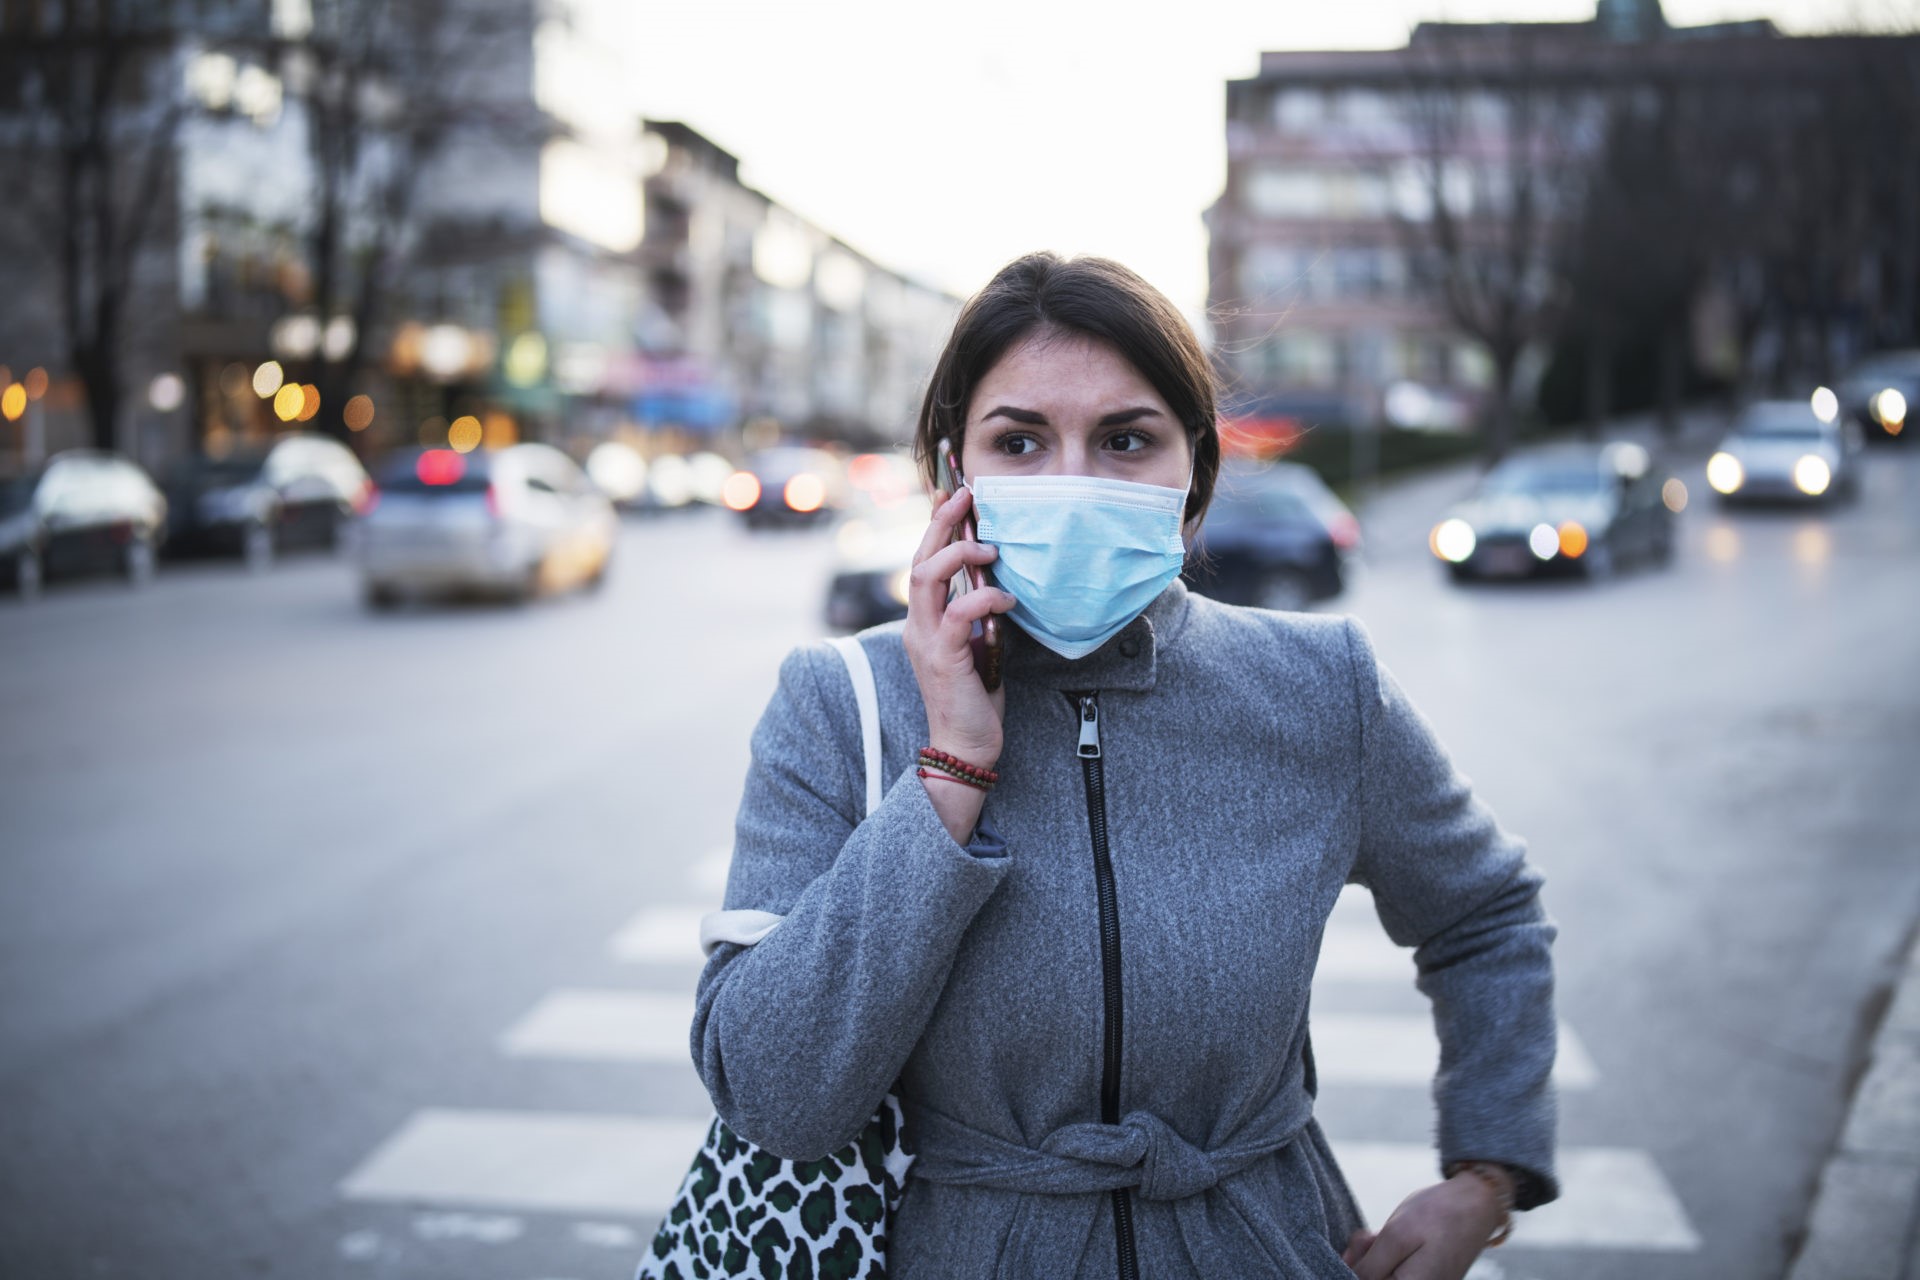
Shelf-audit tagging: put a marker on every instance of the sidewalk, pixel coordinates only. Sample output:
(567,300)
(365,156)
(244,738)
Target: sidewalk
(1865,1220)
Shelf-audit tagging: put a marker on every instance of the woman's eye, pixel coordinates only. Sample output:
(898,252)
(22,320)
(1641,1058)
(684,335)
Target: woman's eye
(1016,444)
(1126,442)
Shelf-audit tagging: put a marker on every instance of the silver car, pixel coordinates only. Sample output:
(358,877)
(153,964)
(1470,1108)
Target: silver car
(1783,449)
(515,522)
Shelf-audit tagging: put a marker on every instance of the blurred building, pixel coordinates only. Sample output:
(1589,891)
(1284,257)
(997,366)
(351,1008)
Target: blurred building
(415,213)
(1332,274)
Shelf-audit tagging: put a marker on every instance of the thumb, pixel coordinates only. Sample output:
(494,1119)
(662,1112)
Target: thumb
(1357,1245)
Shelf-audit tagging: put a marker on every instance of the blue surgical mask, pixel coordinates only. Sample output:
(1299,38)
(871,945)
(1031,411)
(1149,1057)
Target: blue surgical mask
(1083,556)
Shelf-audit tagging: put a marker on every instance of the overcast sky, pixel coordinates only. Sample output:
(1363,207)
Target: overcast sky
(944,140)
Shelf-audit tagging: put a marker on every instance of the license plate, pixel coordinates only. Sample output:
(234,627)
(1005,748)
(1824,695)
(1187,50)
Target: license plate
(1506,560)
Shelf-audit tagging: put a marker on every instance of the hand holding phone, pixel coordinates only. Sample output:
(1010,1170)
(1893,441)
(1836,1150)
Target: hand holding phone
(987,641)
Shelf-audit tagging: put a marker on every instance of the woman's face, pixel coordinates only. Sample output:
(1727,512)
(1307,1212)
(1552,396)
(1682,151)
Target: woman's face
(1068,405)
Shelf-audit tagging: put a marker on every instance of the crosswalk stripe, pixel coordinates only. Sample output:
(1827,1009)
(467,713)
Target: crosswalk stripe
(707,876)
(1393,1049)
(661,935)
(649,1026)
(563,1163)
(605,1026)
(1351,953)
(1610,1197)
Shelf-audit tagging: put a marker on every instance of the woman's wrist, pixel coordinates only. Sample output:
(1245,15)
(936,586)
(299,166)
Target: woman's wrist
(1496,1186)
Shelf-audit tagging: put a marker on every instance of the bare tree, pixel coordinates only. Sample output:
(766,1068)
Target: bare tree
(94,110)
(1504,124)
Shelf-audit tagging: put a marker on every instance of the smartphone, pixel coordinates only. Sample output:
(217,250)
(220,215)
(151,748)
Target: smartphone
(987,640)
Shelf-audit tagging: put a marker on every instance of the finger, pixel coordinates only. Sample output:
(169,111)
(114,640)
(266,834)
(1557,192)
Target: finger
(968,609)
(1388,1250)
(946,520)
(1357,1245)
(927,583)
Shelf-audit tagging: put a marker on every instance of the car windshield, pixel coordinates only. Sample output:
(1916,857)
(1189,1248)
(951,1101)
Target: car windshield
(1247,502)
(1780,422)
(16,492)
(1545,477)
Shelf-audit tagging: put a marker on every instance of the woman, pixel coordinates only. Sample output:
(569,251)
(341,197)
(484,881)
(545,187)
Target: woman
(1080,930)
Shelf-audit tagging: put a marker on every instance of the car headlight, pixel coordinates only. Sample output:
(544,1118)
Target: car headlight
(1573,539)
(1452,540)
(1825,404)
(1544,541)
(1725,473)
(897,585)
(1812,475)
(1890,410)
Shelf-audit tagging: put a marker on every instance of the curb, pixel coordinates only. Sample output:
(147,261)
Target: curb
(1865,1213)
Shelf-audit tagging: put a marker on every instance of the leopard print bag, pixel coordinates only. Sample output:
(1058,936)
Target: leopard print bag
(743,1212)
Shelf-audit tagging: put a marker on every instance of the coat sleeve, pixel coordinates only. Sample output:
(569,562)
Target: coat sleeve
(799,1037)
(1449,882)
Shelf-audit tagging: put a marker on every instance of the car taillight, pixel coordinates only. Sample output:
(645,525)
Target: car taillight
(1345,532)
(493,501)
(369,499)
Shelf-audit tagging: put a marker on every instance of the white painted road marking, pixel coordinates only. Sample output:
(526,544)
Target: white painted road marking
(605,1026)
(1394,1049)
(565,1163)
(661,935)
(1610,1197)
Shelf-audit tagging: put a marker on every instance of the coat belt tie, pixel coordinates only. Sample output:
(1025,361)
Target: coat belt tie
(1062,1176)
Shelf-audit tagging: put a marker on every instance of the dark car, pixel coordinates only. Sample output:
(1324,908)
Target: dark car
(1562,508)
(299,493)
(873,552)
(1881,393)
(82,511)
(1274,537)
(787,485)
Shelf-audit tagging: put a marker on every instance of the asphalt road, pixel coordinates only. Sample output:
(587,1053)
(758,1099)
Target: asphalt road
(334,944)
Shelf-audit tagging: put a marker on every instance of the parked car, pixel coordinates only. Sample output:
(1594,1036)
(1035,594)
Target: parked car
(1881,392)
(1274,536)
(873,552)
(1560,508)
(787,485)
(1782,449)
(82,511)
(300,492)
(516,522)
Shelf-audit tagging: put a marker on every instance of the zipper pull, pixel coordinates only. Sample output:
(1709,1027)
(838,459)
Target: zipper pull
(1089,726)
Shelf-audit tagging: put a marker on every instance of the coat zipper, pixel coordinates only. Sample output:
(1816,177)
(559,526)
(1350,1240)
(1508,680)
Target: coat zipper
(1093,773)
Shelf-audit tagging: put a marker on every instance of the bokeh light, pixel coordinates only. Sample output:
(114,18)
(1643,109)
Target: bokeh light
(36,384)
(1811,475)
(463,433)
(805,492)
(309,402)
(1452,540)
(741,490)
(1544,541)
(1573,540)
(166,392)
(1723,544)
(1826,405)
(1674,494)
(288,401)
(1725,473)
(268,379)
(13,402)
(358,415)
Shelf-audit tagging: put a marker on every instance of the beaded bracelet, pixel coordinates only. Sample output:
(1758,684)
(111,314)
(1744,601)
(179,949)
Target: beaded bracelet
(935,771)
(1500,1180)
(929,756)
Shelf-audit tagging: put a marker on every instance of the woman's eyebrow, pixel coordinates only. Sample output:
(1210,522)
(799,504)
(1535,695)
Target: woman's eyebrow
(1124,416)
(1028,416)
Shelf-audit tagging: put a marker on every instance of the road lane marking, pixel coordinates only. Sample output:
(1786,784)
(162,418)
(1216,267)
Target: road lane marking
(1610,1197)
(661,935)
(624,1166)
(605,1026)
(1394,1049)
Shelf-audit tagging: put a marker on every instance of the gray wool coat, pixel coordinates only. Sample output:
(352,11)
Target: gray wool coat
(1253,763)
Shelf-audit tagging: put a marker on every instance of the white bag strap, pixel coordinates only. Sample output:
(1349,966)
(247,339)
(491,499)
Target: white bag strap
(746,927)
(867,698)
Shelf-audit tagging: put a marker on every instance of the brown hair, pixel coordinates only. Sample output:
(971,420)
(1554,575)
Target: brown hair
(1094,297)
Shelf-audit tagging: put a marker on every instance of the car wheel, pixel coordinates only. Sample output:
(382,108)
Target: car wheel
(27,574)
(137,564)
(256,547)
(1285,591)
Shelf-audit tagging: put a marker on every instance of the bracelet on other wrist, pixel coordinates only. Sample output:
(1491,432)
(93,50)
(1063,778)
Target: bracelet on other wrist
(1501,1181)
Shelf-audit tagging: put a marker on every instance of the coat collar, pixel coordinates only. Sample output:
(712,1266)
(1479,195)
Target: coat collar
(1126,662)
